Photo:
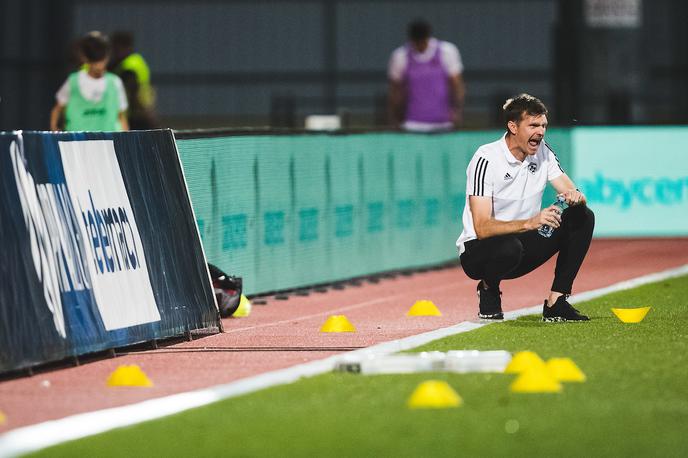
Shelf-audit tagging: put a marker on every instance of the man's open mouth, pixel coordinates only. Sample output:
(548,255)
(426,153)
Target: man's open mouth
(534,142)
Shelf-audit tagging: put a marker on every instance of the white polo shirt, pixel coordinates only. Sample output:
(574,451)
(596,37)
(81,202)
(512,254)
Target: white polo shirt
(516,187)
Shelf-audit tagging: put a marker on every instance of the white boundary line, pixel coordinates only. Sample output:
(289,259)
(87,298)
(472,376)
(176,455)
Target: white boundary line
(35,437)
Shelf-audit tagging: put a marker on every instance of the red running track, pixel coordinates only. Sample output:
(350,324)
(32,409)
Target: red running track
(285,333)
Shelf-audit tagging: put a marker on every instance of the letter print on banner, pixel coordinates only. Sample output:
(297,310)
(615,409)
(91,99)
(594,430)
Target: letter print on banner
(115,257)
(44,248)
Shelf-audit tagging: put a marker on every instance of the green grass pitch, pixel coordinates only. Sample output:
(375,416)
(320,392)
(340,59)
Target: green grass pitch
(634,402)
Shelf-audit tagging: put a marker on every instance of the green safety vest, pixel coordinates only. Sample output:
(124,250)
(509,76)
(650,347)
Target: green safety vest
(82,114)
(136,64)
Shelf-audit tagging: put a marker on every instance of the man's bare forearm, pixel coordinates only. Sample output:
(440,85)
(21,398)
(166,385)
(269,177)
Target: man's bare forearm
(494,227)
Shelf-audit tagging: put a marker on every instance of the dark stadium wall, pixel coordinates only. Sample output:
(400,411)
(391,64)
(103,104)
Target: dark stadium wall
(35,38)
(249,63)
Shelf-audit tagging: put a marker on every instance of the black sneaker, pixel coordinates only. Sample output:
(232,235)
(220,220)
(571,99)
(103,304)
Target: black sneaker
(490,302)
(561,311)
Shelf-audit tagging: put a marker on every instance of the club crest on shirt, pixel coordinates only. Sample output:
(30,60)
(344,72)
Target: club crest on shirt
(532,167)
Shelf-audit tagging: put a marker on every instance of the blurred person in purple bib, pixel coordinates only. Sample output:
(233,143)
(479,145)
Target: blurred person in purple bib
(426,88)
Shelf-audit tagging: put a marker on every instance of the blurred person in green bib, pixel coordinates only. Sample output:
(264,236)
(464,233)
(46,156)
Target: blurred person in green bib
(91,99)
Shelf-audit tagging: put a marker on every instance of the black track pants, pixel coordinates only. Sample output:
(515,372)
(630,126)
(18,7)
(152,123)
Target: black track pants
(511,256)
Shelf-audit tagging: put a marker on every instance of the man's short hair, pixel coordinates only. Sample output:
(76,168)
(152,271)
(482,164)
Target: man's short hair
(419,30)
(514,107)
(95,47)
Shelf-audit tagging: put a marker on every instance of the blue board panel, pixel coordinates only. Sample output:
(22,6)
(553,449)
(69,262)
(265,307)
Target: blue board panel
(98,245)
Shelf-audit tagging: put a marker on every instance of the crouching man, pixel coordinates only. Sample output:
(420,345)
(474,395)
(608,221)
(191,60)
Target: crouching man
(500,240)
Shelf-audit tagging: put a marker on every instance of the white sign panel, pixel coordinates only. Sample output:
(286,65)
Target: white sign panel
(613,13)
(116,261)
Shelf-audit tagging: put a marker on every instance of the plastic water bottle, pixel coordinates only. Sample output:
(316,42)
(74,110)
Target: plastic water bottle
(545,230)
(392,364)
(460,361)
(466,361)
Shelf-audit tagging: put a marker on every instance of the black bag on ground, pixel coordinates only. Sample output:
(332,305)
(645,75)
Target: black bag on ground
(227,290)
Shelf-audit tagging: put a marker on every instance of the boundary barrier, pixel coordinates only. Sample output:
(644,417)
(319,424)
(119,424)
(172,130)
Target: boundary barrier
(98,246)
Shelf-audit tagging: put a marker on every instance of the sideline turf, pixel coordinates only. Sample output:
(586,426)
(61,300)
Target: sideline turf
(635,402)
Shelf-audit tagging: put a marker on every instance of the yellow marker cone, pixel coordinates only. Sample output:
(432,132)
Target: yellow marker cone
(536,380)
(631,315)
(3,418)
(337,323)
(244,308)
(522,361)
(424,308)
(434,394)
(129,376)
(565,370)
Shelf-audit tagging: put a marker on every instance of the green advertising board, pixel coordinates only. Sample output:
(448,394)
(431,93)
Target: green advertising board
(284,211)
